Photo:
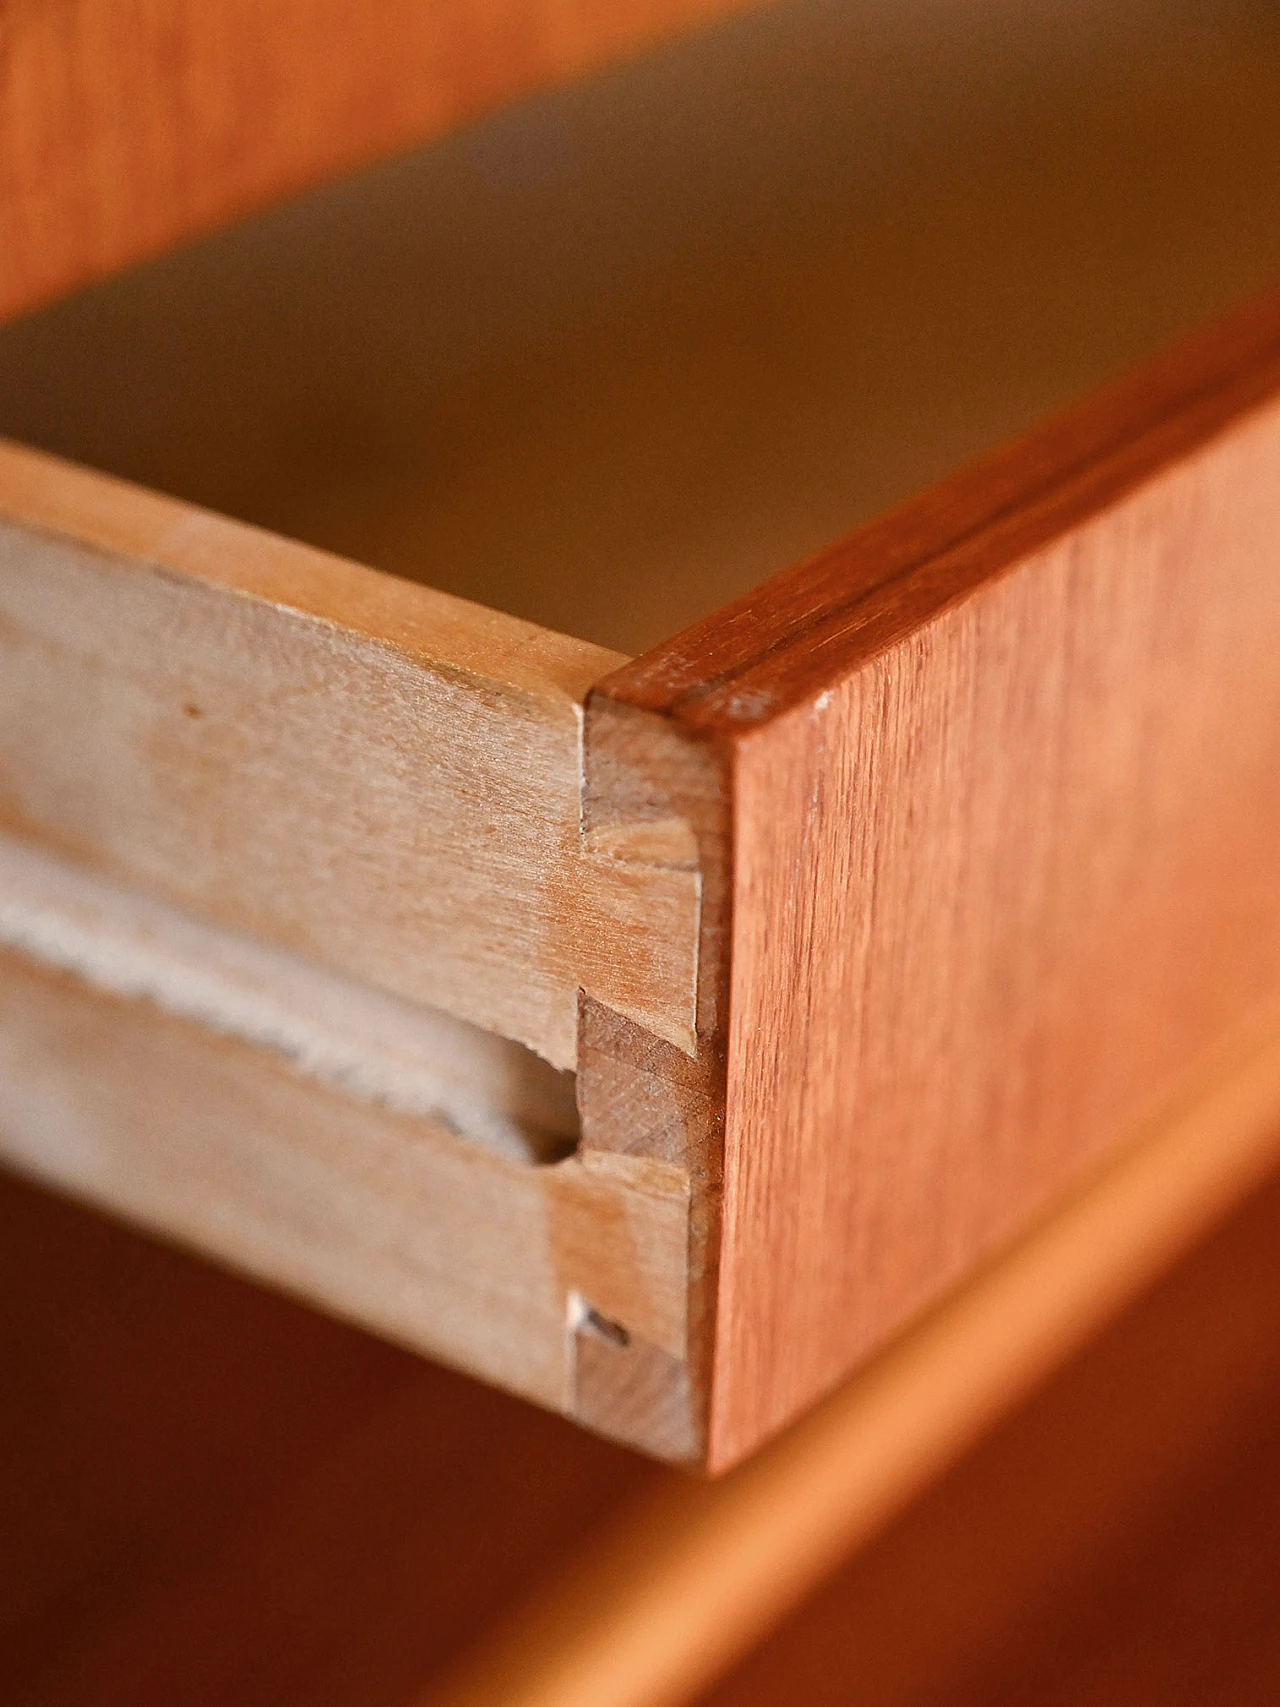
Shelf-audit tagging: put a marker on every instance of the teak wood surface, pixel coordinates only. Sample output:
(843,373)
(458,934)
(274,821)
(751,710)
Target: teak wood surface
(1115,1541)
(125,128)
(872,911)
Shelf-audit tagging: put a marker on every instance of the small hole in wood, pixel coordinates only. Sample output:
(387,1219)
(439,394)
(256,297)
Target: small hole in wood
(602,1325)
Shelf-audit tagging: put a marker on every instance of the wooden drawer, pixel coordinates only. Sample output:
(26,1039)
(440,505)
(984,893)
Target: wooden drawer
(869,913)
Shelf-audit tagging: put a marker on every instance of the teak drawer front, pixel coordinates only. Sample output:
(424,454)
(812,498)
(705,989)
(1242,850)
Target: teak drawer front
(871,912)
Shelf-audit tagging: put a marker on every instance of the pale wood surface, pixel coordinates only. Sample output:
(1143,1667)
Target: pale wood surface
(436,1241)
(126,127)
(638,1095)
(238,747)
(401,1055)
(683,1583)
(379,776)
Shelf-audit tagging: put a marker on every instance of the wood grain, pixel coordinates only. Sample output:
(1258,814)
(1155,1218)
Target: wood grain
(652,791)
(685,1581)
(1005,774)
(779,645)
(400,1055)
(381,777)
(124,129)
(437,1242)
(322,814)
(1115,1541)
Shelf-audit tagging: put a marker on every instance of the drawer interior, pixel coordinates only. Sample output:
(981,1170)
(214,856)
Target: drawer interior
(613,356)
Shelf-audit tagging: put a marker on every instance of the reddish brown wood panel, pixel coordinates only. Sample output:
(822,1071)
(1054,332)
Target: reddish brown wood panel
(1116,1542)
(125,127)
(1005,773)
